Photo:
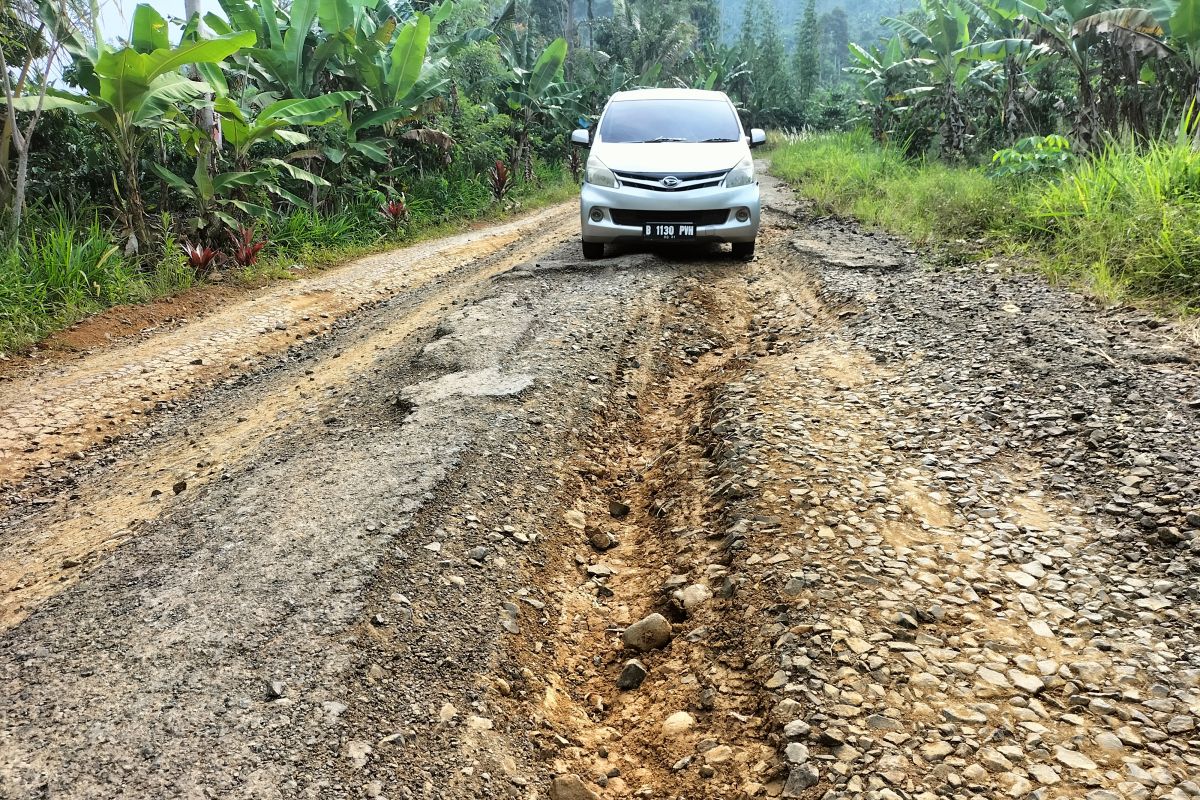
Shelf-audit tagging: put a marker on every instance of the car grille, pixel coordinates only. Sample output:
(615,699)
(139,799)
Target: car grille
(635,218)
(653,181)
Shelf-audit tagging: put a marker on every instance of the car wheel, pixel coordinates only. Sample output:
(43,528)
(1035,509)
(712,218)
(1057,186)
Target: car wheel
(593,250)
(743,250)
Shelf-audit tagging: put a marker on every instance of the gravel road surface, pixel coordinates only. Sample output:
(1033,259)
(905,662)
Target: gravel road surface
(480,519)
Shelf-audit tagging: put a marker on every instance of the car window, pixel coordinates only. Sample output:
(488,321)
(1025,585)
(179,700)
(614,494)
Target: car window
(669,121)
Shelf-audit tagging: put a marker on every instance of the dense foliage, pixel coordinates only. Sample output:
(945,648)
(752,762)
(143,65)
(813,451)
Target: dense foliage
(966,77)
(1123,222)
(266,132)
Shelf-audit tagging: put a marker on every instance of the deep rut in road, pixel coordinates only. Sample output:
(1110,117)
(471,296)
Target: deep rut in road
(644,529)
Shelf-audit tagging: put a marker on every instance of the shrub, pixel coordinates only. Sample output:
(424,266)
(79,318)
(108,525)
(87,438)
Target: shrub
(61,268)
(1034,157)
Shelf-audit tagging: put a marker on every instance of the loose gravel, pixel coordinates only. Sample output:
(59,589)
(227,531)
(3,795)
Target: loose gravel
(839,522)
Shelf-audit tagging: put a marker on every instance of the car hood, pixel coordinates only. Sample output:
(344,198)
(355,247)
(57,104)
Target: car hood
(671,156)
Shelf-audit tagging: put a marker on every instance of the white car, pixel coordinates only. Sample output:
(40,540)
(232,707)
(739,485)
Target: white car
(669,165)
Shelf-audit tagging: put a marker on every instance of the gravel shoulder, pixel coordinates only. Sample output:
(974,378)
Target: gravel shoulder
(835,522)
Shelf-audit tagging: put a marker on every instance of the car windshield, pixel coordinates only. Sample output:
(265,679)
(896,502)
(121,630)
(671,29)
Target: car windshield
(670,121)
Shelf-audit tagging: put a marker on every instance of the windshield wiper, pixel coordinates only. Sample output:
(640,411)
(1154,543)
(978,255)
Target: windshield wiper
(662,139)
(718,139)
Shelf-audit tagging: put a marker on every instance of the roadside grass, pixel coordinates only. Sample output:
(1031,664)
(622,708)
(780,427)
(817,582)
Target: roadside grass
(67,266)
(850,175)
(1123,224)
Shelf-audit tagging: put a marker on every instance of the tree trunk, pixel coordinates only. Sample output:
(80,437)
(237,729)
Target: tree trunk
(18,207)
(192,8)
(135,208)
(1085,122)
(955,132)
(22,139)
(1192,113)
(1015,119)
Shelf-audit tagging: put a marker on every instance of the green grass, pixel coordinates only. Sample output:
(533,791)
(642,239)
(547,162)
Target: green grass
(1123,224)
(1126,219)
(62,268)
(438,206)
(65,267)
(850,175)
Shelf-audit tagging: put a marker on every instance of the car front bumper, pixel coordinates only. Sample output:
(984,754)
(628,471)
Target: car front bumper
(643,204)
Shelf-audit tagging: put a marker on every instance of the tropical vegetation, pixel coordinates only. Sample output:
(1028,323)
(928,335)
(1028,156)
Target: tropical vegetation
(265,133)
(1067,129)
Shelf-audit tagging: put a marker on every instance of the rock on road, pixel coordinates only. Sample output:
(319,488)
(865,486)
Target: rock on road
(480,519)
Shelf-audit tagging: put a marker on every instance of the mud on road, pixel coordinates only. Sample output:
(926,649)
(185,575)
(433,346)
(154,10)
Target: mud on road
(402,530)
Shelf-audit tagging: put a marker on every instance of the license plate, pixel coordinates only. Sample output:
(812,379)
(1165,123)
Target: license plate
(668,231)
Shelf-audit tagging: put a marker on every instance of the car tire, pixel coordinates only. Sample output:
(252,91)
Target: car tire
(593,250)
(743,250)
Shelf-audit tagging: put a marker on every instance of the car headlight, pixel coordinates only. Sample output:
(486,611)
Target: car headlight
(600,175)
(741,175)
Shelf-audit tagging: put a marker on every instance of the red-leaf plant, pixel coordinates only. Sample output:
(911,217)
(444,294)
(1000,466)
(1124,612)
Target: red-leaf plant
(201,258)
(245,249)
(395,211)
(501,180)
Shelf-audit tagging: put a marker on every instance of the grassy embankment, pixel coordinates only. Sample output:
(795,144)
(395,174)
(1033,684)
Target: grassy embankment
(1124,224)
(67,266)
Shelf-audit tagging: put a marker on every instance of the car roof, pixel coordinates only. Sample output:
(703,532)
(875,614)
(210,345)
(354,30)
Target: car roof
(669,94)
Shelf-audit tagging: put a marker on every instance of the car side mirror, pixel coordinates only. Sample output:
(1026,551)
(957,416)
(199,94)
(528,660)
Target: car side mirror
(758,137)
(581,138)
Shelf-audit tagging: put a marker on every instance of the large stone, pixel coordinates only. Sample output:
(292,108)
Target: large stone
(1074,759)
(962,714)
(678,723)
(1181,724)
(878,722)
(801,777)
(797,729)
(692,597)
(571,787)
(993,760)
(1026,682)
(796,753)
(648,634)
(718,755)
(632,675)
(1044,774)
(936,751)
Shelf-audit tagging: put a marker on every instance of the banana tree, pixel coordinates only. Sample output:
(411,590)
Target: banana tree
(883,73)
(291,56)
(1010,42)
(943,49)
(1059,31)
(716,67)
(131,95)
(1184,29)
(392,64)
(276,120)
(535,92)
(212,196)
(395,73)
(1166,30)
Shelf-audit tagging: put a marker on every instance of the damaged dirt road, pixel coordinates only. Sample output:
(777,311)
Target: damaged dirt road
(402,530)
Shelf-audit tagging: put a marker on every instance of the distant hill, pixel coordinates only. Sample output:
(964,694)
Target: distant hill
(862,16)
